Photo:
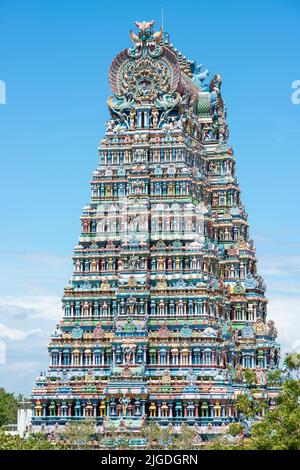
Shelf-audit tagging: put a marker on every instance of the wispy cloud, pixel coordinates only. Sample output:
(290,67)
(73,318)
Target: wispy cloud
(26,348)
(285,311)
(14,333)
(34,274)
(31,306)
(280,265)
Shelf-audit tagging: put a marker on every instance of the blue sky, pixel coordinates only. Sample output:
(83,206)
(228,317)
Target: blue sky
(54,60)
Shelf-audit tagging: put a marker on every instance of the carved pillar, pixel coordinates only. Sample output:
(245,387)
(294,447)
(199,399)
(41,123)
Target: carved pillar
(170,405)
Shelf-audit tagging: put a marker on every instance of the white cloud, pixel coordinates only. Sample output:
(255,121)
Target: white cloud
(14,334)
(279,265)
(285,311)
(34,274)
(280,286)
(296,345)
(25,332)
(48,306)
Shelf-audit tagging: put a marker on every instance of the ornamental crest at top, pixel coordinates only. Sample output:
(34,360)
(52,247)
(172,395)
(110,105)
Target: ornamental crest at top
(155,86)
(145,70)
(146,37)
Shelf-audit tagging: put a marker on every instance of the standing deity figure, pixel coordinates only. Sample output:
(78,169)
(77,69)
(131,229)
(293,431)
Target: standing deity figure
(133,261)
(215,130)
(261,377)
(154,116)
(132,118)
(128,355)
(124,401)
(216,83)
(184,102)
(77,266)
(206,132)
(212,168)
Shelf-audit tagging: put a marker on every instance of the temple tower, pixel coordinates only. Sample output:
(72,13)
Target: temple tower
(165,311)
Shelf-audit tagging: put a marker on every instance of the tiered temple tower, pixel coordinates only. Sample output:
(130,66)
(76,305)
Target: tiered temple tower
(165,311)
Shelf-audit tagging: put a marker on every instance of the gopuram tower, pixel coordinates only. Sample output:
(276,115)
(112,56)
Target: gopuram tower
(165,313)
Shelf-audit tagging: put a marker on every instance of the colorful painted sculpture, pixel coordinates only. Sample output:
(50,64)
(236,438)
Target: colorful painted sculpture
(165,310)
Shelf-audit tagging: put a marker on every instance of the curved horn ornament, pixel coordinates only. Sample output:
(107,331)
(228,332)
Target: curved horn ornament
(158,35)
(134,37)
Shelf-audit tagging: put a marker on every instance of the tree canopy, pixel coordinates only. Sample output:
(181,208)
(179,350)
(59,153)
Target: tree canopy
(279,429)
(8,407)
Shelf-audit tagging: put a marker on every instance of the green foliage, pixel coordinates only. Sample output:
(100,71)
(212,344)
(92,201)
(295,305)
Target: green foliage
(279,429)
(292,362)
(164,437)
(187,439)
(244,404)
(8,407)
(158,437)
(249,406)
(113,439)
(235,429)
(274,377)
(77,434)
(39,441)
(224,444)
(36,441)
(8,442)
(250,376)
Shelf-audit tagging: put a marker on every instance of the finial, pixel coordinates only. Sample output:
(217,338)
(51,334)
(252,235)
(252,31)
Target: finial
(146,32)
